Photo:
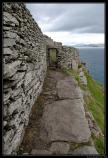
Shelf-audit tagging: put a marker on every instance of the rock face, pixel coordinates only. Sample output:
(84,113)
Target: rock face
(24,56)
(64,120)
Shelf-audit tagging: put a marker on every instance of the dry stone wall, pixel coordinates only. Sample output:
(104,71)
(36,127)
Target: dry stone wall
(24,68)
(49,42)
(24,62)
(69,58)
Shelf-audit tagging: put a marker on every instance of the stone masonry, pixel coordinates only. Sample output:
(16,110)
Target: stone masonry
(24,69)
(24,60)
(67,57)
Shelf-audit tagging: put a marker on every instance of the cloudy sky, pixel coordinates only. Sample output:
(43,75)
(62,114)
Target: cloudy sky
(70,23)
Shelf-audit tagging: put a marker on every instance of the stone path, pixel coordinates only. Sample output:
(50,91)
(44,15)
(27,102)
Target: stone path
(60,126)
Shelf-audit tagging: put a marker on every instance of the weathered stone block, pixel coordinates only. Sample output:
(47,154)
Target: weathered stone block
(17,138)
(10,35)
(10,69)
(8,42)
(16,105)
(8,137)
(6,96)
(11,18)
(7,51)
(16,92)
(18,76)
(28,78)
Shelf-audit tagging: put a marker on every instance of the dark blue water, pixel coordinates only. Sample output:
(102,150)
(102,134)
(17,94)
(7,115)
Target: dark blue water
(94,58)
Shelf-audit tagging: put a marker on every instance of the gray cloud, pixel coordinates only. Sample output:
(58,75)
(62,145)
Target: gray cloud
(76,18)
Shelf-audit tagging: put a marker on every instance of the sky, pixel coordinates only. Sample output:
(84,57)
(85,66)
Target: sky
(70,23)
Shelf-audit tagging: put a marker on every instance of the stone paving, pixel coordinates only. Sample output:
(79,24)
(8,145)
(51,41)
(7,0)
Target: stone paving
(62,120)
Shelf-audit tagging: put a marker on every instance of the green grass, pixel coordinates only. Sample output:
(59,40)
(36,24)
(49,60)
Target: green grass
(96,110)
(94,104)
(71,73)
(79,66)
(75,75)
(99,144)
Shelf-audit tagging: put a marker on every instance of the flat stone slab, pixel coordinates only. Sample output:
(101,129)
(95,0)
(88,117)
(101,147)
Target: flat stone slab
(65,120)
(85,150)
(40,152)
(57,75)
(67,89)
(59,148)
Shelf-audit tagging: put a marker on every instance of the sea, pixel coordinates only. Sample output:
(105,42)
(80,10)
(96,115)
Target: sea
(94,59)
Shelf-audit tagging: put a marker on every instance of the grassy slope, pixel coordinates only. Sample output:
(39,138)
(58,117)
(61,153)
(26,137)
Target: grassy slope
(95,104)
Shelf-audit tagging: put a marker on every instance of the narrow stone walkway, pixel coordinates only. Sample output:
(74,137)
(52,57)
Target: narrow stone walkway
(57,123)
